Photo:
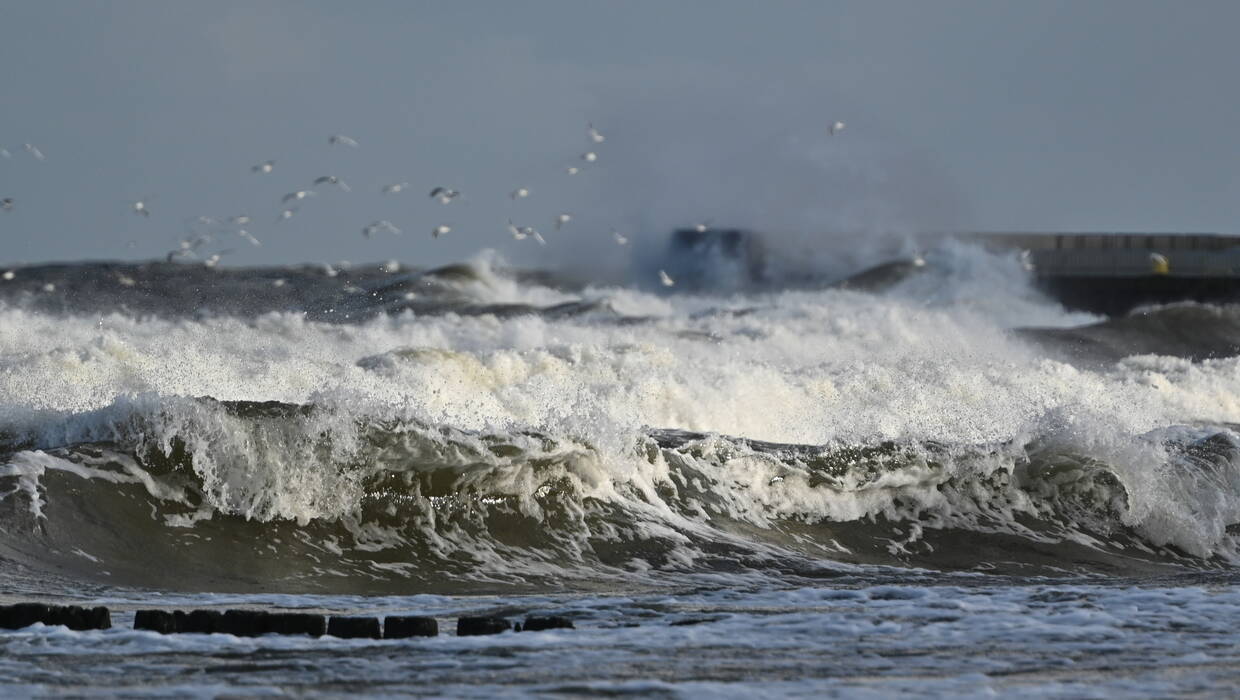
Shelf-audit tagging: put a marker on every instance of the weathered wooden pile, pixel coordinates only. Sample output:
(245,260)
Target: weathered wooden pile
(254,623)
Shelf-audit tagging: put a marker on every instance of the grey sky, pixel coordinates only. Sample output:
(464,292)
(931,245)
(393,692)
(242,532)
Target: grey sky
(980,115)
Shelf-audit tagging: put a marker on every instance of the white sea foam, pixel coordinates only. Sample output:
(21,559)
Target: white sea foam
(932,361)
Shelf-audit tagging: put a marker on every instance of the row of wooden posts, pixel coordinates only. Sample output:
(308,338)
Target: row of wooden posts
(254,623)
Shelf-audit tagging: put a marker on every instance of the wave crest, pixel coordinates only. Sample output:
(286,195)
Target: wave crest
(381,503)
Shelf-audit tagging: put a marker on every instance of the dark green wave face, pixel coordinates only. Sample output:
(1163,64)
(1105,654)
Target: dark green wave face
(202,495)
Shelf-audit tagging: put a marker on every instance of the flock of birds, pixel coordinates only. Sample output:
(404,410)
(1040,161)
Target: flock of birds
(204,228)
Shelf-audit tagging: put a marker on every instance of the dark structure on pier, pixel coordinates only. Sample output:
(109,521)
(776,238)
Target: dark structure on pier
(700,258)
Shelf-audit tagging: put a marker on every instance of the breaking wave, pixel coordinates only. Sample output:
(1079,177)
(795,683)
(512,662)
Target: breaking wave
(242,496)
(470,428)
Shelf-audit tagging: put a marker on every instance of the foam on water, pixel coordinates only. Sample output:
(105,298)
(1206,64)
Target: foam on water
(781,492)
(986,429)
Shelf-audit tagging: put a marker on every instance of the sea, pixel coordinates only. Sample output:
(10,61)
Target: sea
(935,481)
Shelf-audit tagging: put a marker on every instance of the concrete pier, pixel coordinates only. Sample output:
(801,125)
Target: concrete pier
(1105,273)
(1112,273)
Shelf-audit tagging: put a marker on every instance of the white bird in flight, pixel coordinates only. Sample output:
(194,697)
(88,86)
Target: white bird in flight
(239,220)
(520,193)
(621,239)
(561,219)
(395,188)
(33,150)
(4,153)
(378,226)
(445,195)
(201,221)
(589,156)
(836,127)
(7,204)
(287,214)
(187,247)
(703,226)
(440,230)
(263,168)
(333,180)
(341,140)
(297,196)
(572,170)
(523,232)
(666,279)
(246,235)
(139,207)
(595,136)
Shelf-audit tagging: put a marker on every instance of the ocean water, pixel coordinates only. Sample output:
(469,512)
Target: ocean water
(943,483)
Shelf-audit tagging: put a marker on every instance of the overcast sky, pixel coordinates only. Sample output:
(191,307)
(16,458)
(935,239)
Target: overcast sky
(988,115)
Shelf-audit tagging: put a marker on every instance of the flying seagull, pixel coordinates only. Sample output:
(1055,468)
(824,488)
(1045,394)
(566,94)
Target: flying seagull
(297,196)
(188,246)
(4,153)
(621,239)
(263,168)
(666,279)
(139,207)
(561,219)
(835,128)
(33,150)
(572,170)
(7,204)
(341,140)
(333,180)
(595,136)
(445,195)
(377,226)
(201,221)
(522,232)
(589,156)
(520,193)
(703,226)
(395,188)
(441,230)
(287,214)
